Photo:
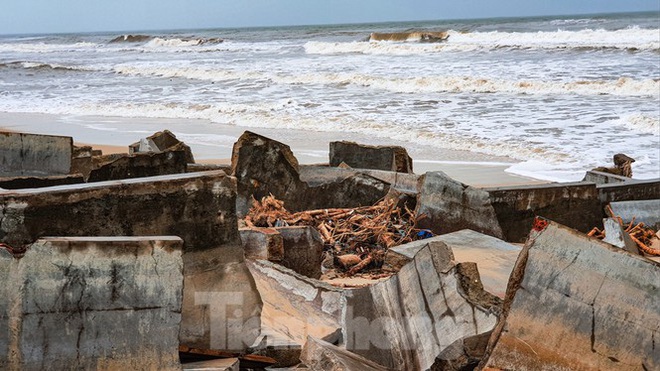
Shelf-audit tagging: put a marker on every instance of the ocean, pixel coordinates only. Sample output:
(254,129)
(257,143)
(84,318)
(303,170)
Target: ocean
(555,95)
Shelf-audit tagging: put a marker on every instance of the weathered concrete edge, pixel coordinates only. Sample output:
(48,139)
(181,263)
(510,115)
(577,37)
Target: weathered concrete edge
(106,184)
(518,274)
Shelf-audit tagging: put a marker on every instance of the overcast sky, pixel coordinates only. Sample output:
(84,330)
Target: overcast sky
(53,16)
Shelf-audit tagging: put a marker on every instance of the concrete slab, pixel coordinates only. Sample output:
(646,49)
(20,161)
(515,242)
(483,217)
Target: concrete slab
(221,304)
(451,206)
(263,166)
(303,250)
(90,303)
(262,243)
(24,154)
(576,303)
(198,207)
(317,174)
(319,355)
(221,364)
(389,158)
(636,189)
(494,257)
(297,306)
(616,235)
(600,177)
(646,211)
(139,165)
(410,318)
(575,205)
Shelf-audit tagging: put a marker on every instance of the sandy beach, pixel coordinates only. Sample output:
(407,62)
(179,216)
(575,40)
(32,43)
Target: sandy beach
(212,143)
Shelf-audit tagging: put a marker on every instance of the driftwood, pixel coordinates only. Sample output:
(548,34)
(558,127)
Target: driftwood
(364,232)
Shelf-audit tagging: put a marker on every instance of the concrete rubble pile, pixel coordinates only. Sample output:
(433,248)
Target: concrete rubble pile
(146,260)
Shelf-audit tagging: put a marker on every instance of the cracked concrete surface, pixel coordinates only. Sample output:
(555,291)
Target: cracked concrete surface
(68,303)
(576,303)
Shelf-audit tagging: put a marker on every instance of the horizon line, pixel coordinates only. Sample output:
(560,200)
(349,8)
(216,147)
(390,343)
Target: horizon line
(322,24)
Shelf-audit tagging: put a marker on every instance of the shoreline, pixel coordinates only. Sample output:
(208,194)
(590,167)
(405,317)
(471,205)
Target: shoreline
(212,143)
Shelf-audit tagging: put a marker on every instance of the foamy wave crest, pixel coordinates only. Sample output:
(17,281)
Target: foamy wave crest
(131,38)
(625,39)
(628,39)
(45,48)
(439,84)
(182,42)
(461,84)
(44,66)
(642,123)
(375,48)
(188,73)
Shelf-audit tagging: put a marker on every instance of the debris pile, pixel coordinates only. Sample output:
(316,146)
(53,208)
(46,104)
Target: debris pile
(355,239)
(645,237)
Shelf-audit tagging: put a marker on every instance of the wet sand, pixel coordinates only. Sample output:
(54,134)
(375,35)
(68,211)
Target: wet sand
(212,143)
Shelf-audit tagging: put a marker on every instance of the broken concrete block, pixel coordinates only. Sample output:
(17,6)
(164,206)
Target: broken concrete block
(494,257)
(263,166)
(193,168)
(162,141)
(89,303)
(362,156)
(81,160)
(24,154)
(575,205)
(140,165)
(220,364)
(451,206)
(279,347)
(314,175)
(40,182)
(299,248)
(303,250)
(411,317)
(575,302)
(463,354)
(617,236)
(262,243)
(354,191)
(221,305)
(633,190)
(600,177)
(298,306)
(504,212)
(645,211)
(319,355)
(198,207)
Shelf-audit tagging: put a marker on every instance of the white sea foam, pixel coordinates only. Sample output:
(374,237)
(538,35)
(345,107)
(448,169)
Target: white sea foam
(629,39)
(45,47)
(456,84)
(174,42)
(642,123)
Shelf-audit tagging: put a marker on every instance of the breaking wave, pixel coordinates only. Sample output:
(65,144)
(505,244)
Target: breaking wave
(182,42)
(631,39)
(45,47)
(623,86)
(642,123)
(43,66)
(415,36)
(131,39)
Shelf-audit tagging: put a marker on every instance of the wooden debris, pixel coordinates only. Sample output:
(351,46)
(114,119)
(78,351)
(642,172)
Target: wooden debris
(642,235)
(357,237)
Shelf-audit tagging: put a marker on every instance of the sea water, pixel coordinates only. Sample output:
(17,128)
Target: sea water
(557,94)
